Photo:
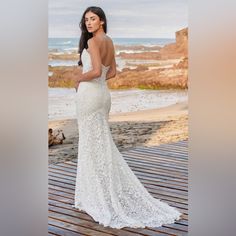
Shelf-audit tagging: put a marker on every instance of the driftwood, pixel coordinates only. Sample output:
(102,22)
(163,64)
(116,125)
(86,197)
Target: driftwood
(54,139)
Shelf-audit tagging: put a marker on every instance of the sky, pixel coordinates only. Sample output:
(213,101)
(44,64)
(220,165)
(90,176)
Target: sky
(125,18)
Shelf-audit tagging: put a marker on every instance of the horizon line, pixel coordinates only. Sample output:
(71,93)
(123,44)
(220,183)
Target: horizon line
(119,37)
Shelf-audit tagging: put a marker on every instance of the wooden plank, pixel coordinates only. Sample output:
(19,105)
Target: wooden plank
(147,184)
(56,230)
(75,228)
(143,163)
(169,154)
(148,158)
(145,231)
(163,170)
(181,206)
(51,234)
(154,177)
(146,166)
(146,175)
(153,183)
(73,217)
(171,200)
(155,160)
(167,166)
(167,197)
(181,150)
(158,171)
(170,146)
(160,154)
(70,201)
(161,190)
(151,187)
(70,185)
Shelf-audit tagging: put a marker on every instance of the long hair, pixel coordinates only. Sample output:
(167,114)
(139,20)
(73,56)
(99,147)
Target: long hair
(85,35)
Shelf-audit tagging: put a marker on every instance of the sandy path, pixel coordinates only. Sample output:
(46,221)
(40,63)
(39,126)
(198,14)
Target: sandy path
(141,128)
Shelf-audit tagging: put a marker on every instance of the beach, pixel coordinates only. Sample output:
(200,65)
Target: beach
(149,100)
(147,128)
(141,63)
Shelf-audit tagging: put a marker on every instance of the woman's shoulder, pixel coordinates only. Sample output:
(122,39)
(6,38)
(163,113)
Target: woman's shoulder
(110,39)
(92,41)
(101,42)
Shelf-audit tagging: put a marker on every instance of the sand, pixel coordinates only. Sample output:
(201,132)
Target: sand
(131,129)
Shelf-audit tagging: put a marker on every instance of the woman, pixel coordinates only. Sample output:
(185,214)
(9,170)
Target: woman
(106,187)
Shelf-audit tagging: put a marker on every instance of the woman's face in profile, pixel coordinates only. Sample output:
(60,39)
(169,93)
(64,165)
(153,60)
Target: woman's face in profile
(92,22)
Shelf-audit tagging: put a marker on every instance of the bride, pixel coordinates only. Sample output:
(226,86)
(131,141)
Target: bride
(106,188)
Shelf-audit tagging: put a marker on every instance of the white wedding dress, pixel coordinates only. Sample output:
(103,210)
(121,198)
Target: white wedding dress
(106,188)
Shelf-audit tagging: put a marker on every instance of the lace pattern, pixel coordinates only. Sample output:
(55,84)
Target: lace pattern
(106,188)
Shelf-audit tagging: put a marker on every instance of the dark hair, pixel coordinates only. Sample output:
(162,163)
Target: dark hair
(85,35)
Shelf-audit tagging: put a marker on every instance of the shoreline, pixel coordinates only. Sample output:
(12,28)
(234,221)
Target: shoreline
(150,127)
(157,114)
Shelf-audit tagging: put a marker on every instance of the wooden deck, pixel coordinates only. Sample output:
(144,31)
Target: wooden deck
(163,170)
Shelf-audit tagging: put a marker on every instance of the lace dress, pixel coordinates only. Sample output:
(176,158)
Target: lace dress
(106,188)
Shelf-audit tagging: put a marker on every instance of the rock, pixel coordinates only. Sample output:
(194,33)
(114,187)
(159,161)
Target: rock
(177,49)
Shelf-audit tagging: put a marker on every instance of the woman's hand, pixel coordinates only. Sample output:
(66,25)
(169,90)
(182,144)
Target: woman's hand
(76,77)
(77,85)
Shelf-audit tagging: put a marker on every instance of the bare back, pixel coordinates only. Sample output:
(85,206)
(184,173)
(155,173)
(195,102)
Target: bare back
(102,52)
(106,49)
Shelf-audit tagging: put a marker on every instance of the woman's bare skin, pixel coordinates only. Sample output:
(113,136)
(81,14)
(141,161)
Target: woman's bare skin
(101,50)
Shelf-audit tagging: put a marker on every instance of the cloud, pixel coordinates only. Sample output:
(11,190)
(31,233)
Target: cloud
(126,18)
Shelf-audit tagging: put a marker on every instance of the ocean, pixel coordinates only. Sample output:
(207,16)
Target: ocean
(62,45)
(70,45)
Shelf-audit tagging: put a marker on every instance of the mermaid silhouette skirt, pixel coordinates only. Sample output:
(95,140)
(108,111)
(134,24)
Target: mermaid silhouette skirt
(106,188)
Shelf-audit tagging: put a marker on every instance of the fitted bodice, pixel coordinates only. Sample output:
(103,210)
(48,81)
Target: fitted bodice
(92,95)
(87,65)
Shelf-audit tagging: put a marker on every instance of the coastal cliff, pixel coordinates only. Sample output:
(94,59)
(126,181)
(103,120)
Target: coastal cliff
(145,67)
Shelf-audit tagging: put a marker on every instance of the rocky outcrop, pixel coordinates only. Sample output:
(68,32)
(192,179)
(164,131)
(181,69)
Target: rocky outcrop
(140,55)
(173,76)
(177,49)
(64,56)
(137,47)
(170,51)
(183,64)
(61,76)
(140,77)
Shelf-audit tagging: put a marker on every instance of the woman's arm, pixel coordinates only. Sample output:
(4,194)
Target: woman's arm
(96,62)
(112,70)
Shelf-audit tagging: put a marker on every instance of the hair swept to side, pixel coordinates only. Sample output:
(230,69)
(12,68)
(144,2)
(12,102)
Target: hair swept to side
(85,35)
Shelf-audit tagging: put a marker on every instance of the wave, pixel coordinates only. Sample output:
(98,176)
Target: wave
(70,49)
(65,43)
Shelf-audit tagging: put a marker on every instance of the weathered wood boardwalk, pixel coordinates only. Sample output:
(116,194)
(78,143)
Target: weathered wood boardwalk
(163,170)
